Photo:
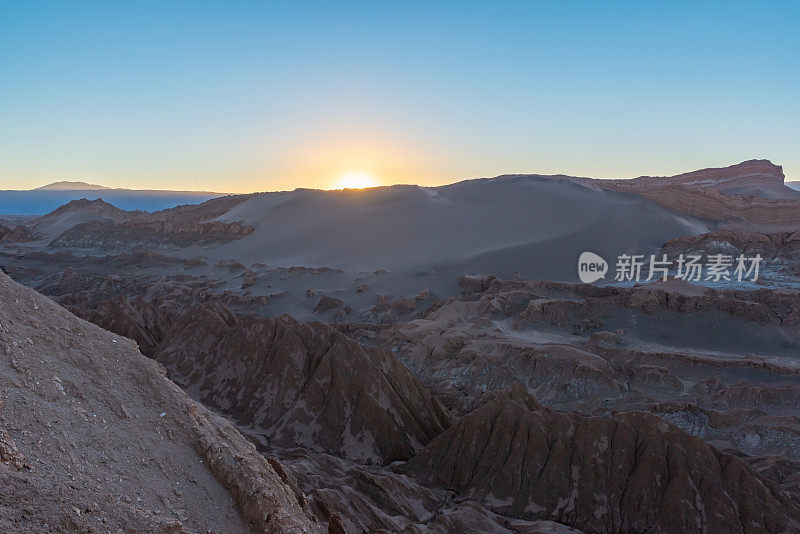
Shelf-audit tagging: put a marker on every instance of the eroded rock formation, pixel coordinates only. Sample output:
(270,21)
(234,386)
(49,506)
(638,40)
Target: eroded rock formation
(301,384)
(632,472)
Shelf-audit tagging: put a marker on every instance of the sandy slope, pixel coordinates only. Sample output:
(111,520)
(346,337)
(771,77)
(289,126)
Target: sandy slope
(508,222)
(94,438)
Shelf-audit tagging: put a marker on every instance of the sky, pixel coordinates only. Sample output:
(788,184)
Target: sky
(258,96)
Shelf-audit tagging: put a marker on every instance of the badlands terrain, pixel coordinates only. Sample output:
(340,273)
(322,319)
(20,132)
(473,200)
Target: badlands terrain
(404,359)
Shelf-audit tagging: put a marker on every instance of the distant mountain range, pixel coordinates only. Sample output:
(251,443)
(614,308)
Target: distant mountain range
(49,197)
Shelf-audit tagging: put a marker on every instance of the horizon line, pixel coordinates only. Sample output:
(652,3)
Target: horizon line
(99,188)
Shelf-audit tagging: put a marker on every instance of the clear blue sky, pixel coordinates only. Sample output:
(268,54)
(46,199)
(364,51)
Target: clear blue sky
(242,96)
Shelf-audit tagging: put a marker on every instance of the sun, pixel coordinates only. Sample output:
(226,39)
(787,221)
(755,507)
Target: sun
(355,180)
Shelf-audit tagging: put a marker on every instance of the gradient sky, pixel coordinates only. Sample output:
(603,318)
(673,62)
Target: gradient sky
(254,96)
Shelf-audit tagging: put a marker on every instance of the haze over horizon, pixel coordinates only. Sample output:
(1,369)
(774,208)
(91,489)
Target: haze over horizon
(80,185)
(246,97)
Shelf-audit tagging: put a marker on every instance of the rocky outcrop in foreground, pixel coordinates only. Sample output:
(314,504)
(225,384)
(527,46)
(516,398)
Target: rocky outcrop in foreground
(94,438)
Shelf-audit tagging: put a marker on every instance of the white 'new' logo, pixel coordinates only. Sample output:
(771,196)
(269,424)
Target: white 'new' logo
(591,267)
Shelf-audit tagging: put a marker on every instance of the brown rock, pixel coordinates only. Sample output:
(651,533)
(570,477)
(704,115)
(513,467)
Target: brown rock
(16,235)
(302,384)
(135,319)
(327,303)
(633,472)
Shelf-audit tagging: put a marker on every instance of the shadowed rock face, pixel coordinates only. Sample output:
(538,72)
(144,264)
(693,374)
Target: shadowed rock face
(135,319)
(632,472)
(372,499)
(302,384)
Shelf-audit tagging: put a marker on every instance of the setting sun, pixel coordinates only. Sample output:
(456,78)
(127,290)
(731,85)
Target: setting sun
(355,180)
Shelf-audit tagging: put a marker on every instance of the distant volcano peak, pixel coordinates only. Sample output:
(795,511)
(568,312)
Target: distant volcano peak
(70,186)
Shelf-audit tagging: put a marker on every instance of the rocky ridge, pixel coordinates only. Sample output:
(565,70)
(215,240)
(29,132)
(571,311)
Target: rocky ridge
(301,384)
(86,422)
(749,194)
(632,473)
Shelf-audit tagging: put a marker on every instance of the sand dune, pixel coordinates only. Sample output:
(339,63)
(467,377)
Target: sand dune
(509,223)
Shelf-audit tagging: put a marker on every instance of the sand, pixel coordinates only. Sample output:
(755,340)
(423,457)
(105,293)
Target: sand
(537,226)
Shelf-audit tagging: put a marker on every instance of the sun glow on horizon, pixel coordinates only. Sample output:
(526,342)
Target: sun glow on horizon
(355,180)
